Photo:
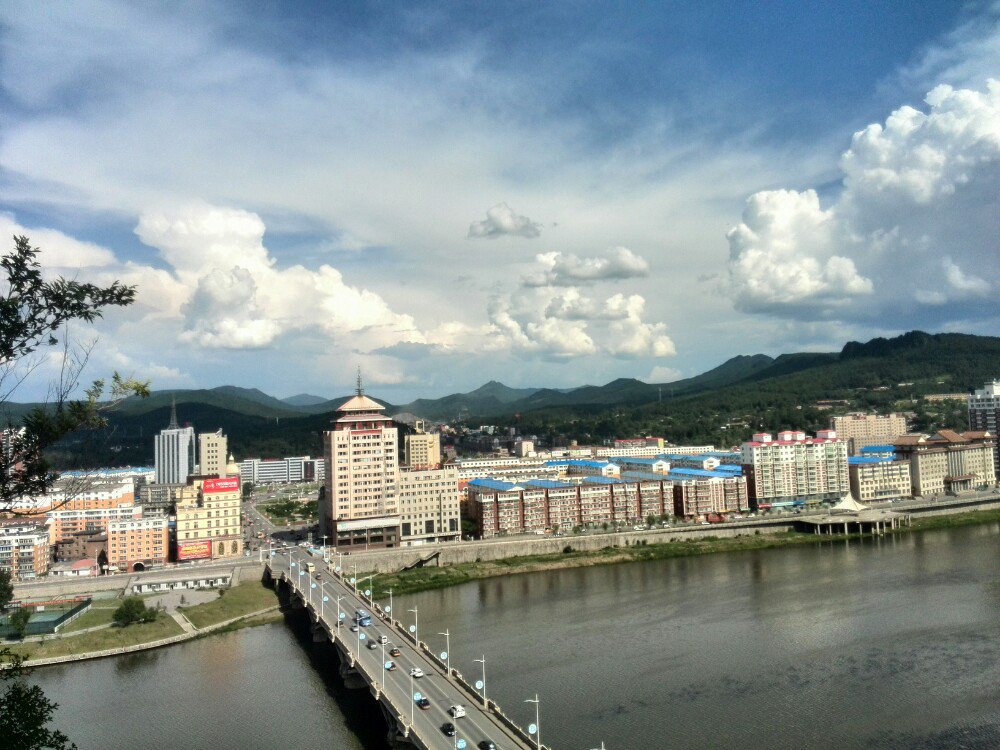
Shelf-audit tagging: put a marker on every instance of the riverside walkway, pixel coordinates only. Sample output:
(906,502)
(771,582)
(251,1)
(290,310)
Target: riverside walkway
(331,602)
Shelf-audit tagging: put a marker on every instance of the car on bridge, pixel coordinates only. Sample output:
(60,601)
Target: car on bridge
(416,672)
(391,666)
(423,703)
(457,712)
(448,728)
(394,651)
(372,645)
(487,745)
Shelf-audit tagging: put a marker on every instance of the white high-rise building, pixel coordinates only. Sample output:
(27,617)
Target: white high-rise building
(984,415)
(360,504)
(175,448)
(795,468)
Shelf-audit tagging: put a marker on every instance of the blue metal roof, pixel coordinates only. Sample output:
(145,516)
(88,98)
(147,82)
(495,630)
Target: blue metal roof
(643,461)
(494,484)
(699,474)
(859,460)
(645,476)
(602,480)
(578,462)
(879,449)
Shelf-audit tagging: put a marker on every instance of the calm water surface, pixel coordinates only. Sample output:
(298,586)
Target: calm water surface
(890,643)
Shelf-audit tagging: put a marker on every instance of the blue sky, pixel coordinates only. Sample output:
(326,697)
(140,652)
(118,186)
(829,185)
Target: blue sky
(447,193)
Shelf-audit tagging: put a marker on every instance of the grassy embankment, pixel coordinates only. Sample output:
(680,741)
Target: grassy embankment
(424,579)
(99,640)
(249,596)
(246,598)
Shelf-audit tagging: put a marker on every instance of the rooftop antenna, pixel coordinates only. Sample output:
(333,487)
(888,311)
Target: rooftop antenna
(361,391)
(173,413)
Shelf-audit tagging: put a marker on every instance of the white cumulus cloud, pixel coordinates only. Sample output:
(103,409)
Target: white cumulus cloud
(916,225)
(567,269)
(501,221)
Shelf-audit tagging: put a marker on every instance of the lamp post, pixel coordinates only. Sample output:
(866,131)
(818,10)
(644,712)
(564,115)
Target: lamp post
(325,558)
(538,723)
(483,662)
(416,625)
(368,578)
(384,670)
(412,700)
(354,577)
(323,599)
(340,616)
(389,608)
(447,650)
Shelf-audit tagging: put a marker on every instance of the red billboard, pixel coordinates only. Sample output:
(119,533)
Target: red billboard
(229,484)
(194,550)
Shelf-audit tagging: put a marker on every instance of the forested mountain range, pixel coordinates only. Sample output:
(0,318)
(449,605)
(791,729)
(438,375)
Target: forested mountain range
(721,406)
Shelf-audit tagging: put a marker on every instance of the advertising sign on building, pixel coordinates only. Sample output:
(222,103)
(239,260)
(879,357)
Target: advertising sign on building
(227,484)
(198,550)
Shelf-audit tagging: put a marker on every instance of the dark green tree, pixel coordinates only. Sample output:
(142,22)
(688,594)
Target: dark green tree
(19,621)
(133,610)
(25,711)
(6,590)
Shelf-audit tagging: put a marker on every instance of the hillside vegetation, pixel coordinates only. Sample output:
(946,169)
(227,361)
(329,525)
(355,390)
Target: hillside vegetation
(721,406)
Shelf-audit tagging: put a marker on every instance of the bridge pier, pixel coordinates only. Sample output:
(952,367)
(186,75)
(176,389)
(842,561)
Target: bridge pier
(398,734)
(318,633)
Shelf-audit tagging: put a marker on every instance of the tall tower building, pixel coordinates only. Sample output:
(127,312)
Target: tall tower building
(984,415)
(174,451)
(212,453)
(360,504)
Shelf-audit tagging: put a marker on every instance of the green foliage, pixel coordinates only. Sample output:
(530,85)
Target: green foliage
(25,711)
(32,311)
(19,621)
(6,589)
(133,610)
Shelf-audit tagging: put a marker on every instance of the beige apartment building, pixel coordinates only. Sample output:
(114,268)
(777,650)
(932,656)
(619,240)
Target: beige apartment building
(948,462)
(138,544)
(795,468)
(208,520)
(422,450)
(860,430)
(24,549)
(429,506)
(212,453)
(878,478)
(360,502)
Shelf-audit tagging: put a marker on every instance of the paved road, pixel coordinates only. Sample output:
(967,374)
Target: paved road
(442,692)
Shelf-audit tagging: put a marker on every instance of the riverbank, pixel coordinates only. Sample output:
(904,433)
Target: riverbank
(428,578)
(248,604)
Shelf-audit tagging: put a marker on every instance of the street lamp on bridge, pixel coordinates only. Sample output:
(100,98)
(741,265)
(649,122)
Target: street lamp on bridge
(447,650)
(416,625)
(537,726)
(483,662)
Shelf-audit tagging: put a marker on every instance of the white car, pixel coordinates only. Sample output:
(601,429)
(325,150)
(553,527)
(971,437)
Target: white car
(416,672)
(383,639)
(457,711)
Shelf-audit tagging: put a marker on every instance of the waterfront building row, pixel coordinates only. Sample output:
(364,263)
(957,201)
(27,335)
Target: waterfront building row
(501,508)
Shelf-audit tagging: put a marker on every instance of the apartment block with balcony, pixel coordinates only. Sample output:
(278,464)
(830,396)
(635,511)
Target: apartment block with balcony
(859,430)
(795,469)
(984,415)
(24,549)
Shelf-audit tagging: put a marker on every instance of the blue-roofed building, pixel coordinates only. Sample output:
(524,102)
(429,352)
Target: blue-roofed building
(877,476)
(657,465)
(583,467)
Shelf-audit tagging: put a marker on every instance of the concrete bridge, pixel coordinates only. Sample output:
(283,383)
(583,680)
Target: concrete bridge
(323,593)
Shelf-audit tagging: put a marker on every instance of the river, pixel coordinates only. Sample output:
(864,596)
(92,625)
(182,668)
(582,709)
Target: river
(887,643)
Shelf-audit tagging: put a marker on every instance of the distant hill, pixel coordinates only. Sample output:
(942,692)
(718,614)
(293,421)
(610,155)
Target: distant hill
(720,406)
(304,399)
